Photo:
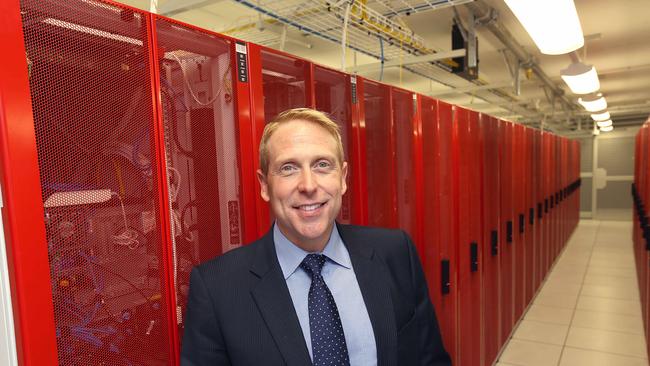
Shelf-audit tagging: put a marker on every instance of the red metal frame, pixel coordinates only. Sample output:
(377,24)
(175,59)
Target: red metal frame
(491,222)
(447,234)
(393,161)
(419,174)
(247,166)
(538,207)
(29,270)
(164,221)
(507,254)
(526,205)
(519,249)
(258,122)
(358,157)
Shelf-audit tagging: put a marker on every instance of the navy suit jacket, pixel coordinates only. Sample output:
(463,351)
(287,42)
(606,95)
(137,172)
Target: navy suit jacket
(240,311)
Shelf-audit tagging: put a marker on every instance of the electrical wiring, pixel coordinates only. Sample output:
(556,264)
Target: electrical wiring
(174,189)
(189,87)
(168,103)
(381,46)
(136,288)
(128,237)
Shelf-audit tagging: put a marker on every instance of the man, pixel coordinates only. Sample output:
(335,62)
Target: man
(311,291)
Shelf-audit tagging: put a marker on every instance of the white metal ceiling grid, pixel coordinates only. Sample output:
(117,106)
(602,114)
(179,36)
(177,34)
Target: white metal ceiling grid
(616,42)
(381,39)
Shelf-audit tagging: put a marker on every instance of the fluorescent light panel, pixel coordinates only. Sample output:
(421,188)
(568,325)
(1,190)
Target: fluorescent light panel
(581,78)
(600,116)
(553,25)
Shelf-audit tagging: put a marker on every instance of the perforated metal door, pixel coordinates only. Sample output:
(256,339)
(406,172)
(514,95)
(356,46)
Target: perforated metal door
(91,94)
(283,83)
(202,159)
(405,161)
(380,156)
(491,232)
(332,90)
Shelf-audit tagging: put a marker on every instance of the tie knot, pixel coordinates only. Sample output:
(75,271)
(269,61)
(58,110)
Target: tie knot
(313,263)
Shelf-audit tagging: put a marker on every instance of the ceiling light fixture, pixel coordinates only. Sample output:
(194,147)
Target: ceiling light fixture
(602,124)
(600,116)
(593,103)
(581,78)
(553,25)
(607,129)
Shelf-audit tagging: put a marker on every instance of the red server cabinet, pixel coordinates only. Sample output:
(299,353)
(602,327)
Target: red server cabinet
(380,155)
(437,255)
(639,243)
(506,282)
(492,337)
(278,82)
(550,185)
(333,95)
(468,225)
(554,196)
(645,199)
(537,204)
(528,218)
(133,117)
(546,220)
(519,245)
(205,111)
(282,82)
(404,103)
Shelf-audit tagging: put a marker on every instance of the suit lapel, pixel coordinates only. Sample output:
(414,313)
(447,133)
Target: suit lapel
(274,302)
(373,279)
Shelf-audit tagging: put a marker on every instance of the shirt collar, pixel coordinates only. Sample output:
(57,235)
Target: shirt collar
(290,255)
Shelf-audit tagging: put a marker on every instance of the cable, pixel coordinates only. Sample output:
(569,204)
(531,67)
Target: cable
(129,237)
(171,112)
(137,289)
(189,87)
(344,35)
(381,47)
(173,191)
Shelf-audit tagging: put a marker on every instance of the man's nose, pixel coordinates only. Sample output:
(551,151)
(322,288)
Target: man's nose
(307,182)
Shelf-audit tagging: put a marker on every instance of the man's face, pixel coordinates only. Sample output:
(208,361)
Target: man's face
(305,182)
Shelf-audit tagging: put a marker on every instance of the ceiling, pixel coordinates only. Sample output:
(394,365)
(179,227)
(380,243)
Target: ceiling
(616,43)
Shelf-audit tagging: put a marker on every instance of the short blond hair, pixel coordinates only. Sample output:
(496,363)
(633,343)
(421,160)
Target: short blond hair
(302,114)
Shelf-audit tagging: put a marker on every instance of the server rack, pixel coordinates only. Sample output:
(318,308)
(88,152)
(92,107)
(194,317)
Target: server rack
(175,113)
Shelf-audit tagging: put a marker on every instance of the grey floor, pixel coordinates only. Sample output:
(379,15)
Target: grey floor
(588,311)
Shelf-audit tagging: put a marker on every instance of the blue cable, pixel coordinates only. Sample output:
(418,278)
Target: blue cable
(381,46)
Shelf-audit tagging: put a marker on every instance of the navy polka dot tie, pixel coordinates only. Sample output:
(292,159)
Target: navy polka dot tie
(327,339)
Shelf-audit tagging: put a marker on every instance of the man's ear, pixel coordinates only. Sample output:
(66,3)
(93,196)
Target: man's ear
(344,177)
(264,187)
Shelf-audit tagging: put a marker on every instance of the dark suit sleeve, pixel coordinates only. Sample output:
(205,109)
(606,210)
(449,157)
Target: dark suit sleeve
(202,341)
(431,348)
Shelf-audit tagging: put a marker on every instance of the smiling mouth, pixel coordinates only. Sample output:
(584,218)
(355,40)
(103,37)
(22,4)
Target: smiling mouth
(310,208)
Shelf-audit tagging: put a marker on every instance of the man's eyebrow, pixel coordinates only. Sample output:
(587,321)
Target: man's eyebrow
(326,157)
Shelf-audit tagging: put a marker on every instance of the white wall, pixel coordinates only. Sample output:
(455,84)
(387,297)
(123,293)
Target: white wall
(8,355)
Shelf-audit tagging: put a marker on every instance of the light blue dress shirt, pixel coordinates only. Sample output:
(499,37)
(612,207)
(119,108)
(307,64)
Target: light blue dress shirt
(342,282)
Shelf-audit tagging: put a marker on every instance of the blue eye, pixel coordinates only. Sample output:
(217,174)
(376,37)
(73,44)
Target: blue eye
(323,164)
(287,168)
